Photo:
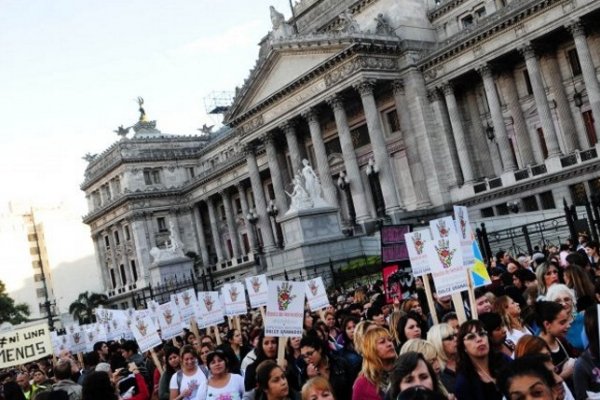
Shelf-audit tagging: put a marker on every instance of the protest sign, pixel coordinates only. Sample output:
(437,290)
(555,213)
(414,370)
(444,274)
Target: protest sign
(21,346)
(234,299)
(285,309)
(59,343)
(415,242)
(170,321)
(316,294)
(209,310)
(465,233)
(145,334)
(186,301)
(257,290)
(445,259)
(77,339)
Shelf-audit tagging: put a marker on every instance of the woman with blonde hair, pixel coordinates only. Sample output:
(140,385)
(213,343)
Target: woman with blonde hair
(443,338)
(359,332)
(510,312)
(379,356)
(317,388)
(429,353)
(393,323)
(547,274)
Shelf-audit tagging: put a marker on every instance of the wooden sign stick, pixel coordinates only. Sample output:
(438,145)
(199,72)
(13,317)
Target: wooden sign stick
(262,313)
(194,327)
(156,361)
(281,351)
(217,335)
(471,295)
(429,296)
(237,323)
(459,308)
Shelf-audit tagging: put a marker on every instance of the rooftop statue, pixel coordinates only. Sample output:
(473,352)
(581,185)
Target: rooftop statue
(309,195)
(140,101)
(122,131)
(347,23)
(383,27)
(281,28)
(89,157)
(206,129)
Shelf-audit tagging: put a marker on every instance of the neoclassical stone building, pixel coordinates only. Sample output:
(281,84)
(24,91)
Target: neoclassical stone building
(402,107)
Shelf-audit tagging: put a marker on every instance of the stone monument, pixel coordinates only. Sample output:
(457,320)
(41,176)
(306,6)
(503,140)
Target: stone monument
(170,262)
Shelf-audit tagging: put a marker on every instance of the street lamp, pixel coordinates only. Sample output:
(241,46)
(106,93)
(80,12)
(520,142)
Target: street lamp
(373,175)
(489,132)
(252,217)
(344,185)
(272,210)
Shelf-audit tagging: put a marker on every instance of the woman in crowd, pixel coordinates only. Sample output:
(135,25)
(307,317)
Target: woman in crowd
(530,344)
(320,362)
(272,383)
(235,348)
(190,383)
(591,249)
(222,384)
(414,306)
(97,385)
(492,323)
(205,349)
(379,355)
(547,275)
(412,370)
(577,279)
(443,338)
(478,367)
(585,376)
(428,351)
(527,379)
(294,353)
(409,327)
(359,333)
(510,312)
(172,365)
(267,350)
(348,351)
(317,388)
(554,322)
(564,296)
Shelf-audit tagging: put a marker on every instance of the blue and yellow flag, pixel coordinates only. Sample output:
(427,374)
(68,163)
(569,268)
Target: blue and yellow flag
(479,273)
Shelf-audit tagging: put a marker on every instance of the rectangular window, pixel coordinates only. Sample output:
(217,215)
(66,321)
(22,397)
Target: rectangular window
(502,209)
(333,146)
(106,242)
(578,193)
(574,62)
(467,21)
(127,233)
(191,172)
(34,251)
(37,277)
(480,12)
(360,136)
(117,238)
(270,191)
(162,224)
(527,82)
(530,204)
(222,212)
(106,190)
(393,121)
(152,176)
(32,237)
(113,278)
(246,243)
(147,177)
(542,140)
(238,205)
(590,130)
(40,293)
(547,200)
(156,176)
(36,264)
(123,275)
(117,185)
(134,270)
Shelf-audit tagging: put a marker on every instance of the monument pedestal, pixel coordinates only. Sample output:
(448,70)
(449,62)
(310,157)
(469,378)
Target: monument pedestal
(312,225)
(170,269)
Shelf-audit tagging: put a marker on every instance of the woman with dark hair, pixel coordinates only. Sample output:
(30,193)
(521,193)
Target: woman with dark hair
(172,365)
(272,383)
(554,322)
(478,367)
(548,274)
(412,370)
(267,350)
(578,279)
(321,362)
(222,384)
(585,376)
(409,327)
(526,378)
(97,385)
(190,382)
(348,351)
(235,349)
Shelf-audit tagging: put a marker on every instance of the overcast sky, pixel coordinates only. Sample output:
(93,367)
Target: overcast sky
(71,70)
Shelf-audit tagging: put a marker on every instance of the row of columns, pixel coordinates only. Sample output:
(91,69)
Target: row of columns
(529,153)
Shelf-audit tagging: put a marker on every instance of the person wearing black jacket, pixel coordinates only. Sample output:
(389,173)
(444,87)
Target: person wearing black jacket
(235,349)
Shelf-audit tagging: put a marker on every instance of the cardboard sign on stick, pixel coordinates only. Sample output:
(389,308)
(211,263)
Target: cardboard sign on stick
(285,309)
(415,243)
(445,259)
(169,319)
(21,346)
(234,299)
(257,290)
(209,310)
(316,295)
(145,334)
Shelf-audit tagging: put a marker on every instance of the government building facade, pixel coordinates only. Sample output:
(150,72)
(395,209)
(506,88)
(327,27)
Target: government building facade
(403,108)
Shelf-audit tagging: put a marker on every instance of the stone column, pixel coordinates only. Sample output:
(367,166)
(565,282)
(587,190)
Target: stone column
(481,151)
(329,192)
(563,108)
(214,229)
(588,70)
(264,221)
(459,133)
(275,169)
(101,261)
(231,225)
(124,255)
(379,147)
(501,135)
(412,145)
(199,227)
(350,162)
(289,129)
(541,101)
(249,228)
(519,124)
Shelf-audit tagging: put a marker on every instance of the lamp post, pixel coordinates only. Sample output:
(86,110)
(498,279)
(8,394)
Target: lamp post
(373,175)
(489,132)
(272,210)
(252,217)
(344,186)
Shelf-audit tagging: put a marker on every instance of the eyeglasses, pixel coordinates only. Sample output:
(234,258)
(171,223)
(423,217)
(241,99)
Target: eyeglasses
(475,335)
(450,337)
(308,354)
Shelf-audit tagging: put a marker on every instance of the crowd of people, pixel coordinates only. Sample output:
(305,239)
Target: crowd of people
(535,336)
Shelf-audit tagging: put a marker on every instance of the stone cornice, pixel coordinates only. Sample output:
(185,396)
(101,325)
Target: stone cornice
(507,17)
(444,8)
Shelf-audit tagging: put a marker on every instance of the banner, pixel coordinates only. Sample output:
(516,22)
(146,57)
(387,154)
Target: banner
(465,233)
(170,321)
(257,290)
(234,299)
(59,343)
(21,346)
(77,339)
(209,310)
(145,334)
(186,301)
(415,242)
(445,258)
(285,309)
(392,286)
(316,294)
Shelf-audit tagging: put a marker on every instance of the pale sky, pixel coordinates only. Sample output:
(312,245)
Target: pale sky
(70,72)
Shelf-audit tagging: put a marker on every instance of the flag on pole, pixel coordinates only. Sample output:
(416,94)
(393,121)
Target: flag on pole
(479,273)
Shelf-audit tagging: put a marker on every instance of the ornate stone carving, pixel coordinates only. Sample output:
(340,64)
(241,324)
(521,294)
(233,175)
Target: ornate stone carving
(398,87)
(310,115)
(281,28)
(347,69)
(448,88)
(336,102)
(484,70)
(252,124)
(434,95)
(347,23)
(287,126)
(383,27)
(365,87)
(527,51)
(576,28)
(269,137)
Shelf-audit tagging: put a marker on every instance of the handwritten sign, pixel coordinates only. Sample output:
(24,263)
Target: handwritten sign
(415,242)
(21,346)
(257,290)
(285,309)
(316,295)
(234,299)
(209,310)
(145,334)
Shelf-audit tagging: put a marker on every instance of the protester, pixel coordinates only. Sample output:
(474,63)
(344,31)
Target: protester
(267,350)
(564,296)
(444,339)
(527,379)
(189,383)
(62,373)
(412,370)
(272,383)
(221,383)
(317,388)
(587,366)
(172,365)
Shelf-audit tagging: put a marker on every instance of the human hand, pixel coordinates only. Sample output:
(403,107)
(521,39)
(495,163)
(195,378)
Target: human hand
(312,371)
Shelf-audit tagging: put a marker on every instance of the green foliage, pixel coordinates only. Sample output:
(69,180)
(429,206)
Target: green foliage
(82,309)
(9,311)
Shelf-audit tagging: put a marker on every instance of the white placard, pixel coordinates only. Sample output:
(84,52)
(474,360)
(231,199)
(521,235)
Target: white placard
(21,346)
(209,310)
(415,244)
(186,301)
(316,294)
(145,334)
(445,259)
(95,333)
(170,321)
(153,311)
(465,233)
(285,309)
(257,290)
(77,338)
(234,299)
(59,343)
(441,227)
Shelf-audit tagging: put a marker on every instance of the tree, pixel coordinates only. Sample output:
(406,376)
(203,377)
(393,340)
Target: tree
(82,309)
(9,311)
